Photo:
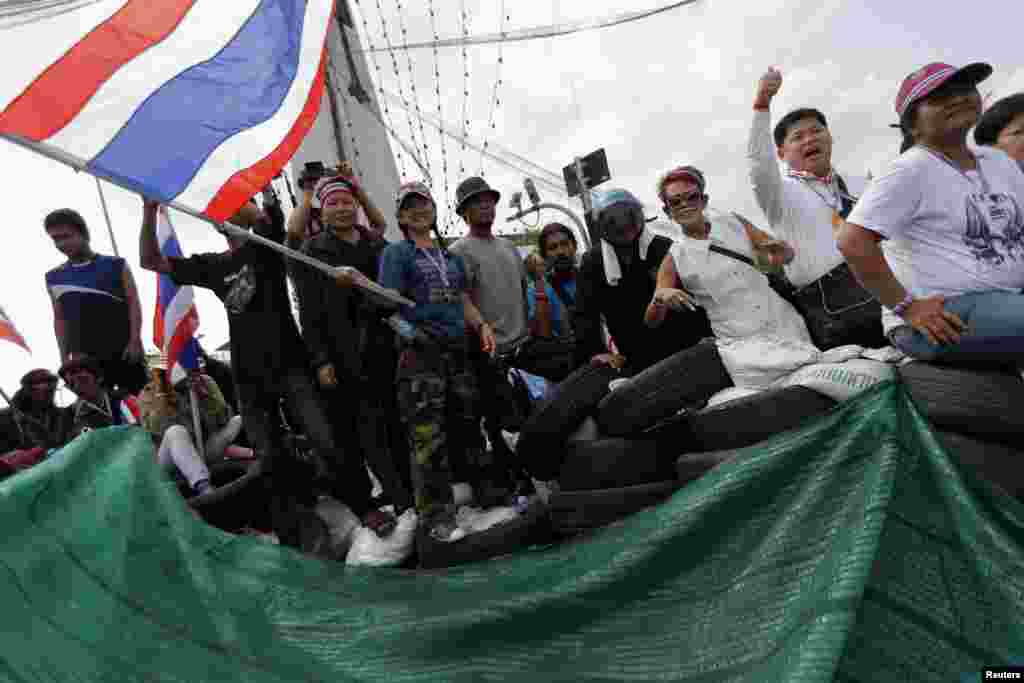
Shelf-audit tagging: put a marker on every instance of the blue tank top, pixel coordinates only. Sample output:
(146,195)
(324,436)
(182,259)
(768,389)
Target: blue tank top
(95,305)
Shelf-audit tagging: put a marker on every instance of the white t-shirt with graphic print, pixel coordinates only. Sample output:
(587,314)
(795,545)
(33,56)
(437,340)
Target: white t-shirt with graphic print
(947,232)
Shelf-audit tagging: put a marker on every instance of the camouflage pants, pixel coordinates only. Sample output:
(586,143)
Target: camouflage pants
(437,400)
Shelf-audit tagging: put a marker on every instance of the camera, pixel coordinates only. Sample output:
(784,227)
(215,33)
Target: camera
(312,172)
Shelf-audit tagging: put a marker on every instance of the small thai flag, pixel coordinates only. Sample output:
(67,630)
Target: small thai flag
(176,319)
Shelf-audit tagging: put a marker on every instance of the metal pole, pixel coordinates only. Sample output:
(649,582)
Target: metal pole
(585,198)
(197,423)
(106,214)
(80,165)
(580,226)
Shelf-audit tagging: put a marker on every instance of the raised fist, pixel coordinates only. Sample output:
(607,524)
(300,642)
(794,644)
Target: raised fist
(769,85)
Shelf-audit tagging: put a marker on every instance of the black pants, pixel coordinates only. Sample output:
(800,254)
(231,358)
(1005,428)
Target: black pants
(551,358)
(364,417)
(287,479)
(684,380)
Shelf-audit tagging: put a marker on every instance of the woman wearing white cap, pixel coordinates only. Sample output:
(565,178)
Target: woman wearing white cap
(939,237)
(437,389)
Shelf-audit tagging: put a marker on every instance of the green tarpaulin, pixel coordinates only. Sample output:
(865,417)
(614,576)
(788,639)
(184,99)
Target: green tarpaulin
(851,550)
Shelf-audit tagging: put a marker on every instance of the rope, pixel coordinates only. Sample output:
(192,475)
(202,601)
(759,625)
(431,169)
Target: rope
(495,100)
(545,31)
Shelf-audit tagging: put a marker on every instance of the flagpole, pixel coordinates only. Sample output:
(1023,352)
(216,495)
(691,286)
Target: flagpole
(197,423)
(81,165)
(106,214)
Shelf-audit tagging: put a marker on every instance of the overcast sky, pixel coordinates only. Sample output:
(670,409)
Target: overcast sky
(657,93)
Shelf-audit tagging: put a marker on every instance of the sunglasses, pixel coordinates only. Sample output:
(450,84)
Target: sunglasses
(677,200)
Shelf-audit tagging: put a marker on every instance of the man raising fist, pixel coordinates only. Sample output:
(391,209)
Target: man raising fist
(805,202)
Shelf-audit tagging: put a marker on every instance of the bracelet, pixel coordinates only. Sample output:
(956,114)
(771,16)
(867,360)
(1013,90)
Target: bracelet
(901,308)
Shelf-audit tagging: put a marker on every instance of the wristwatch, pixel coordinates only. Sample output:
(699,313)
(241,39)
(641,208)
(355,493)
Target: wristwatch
(901,308)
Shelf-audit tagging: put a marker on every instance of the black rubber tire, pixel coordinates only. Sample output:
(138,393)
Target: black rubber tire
(692,466)
(606,463)
(574,512)
(985,404)
(752,419)
(998,463)
(241,498)
(533,527)
(661,390)
(541,445)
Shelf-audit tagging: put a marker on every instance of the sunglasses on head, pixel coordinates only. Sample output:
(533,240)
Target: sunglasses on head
(677,200)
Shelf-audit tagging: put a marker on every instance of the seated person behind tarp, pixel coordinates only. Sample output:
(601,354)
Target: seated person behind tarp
(305,221)
(269,363)
(437,387)
(32,424)
(1002,126)
(551,296)
(97,408)
(939,237)
(167,414)
(717,264)
(349,346)
(96,306)
(805,201)
(615,282)
(498,283)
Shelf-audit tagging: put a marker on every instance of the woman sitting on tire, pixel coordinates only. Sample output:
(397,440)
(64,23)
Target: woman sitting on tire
(716,265)
(437,389)
(939,237)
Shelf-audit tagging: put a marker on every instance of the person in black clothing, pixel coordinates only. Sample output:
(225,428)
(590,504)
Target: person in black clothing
(32,420)
(268,360)
(616,281)
(351,350)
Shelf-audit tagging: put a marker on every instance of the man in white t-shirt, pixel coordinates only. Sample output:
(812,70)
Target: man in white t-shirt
(805,201)
(939,237)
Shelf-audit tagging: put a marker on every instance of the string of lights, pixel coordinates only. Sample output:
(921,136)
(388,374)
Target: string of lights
(440,115)
(495,96)
(387,121)
(412,77)
(464,15)
(342,88)
(398,80)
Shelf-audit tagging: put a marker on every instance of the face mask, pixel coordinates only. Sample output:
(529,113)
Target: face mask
(560,264)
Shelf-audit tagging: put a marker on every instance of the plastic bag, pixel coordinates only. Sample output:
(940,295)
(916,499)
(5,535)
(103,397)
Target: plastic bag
(341,523)
(370,550)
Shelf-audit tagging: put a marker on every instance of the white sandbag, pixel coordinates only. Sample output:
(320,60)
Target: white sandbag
(370,550)
(841,354)
(759,362)
(841,381)
(341,523)
(730,394)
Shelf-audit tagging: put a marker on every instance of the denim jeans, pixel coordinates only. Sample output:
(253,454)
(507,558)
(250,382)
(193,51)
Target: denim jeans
(994,334)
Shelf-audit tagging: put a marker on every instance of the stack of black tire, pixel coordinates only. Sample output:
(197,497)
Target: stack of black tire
(978,416)
(635,449)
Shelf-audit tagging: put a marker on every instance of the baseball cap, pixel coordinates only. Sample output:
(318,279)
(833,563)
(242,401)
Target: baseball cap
(414,187)
(690,173)
(930,77)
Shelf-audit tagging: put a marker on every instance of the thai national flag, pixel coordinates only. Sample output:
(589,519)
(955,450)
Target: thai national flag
(176,319)
(8,332)
(200,102)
